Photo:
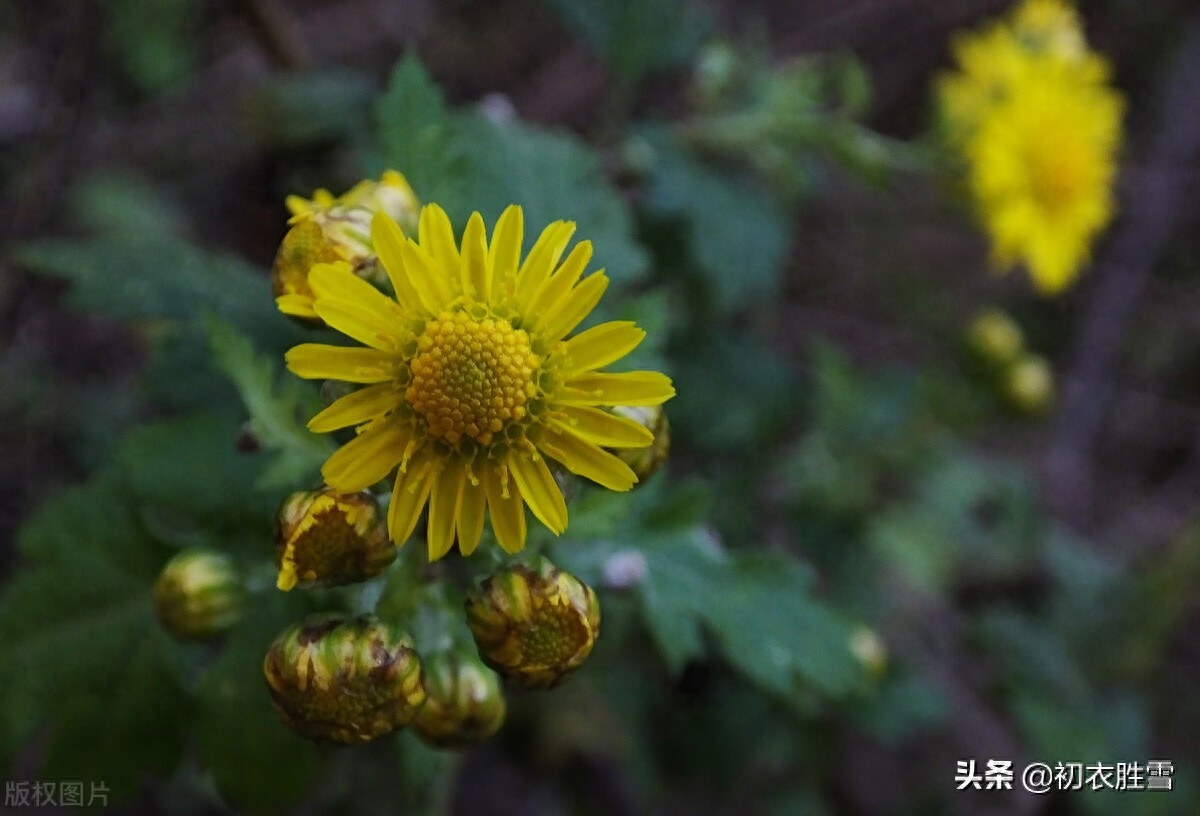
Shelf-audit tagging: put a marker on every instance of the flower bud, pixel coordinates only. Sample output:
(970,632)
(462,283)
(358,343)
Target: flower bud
(869,649)
(463,702)
(646,461)
(534,626)
(327,538)
(303,246)
(330,230)
(345,680)
(1029,385)
(995,338)
(198,595)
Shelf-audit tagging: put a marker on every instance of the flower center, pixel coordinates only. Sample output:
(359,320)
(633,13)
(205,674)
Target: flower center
(471,377)
(1058,172)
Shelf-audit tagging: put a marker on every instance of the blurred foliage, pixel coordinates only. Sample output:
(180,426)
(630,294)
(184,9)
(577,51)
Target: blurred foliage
(814,504)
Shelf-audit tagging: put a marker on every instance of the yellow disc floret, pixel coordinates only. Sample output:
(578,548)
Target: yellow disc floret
(471,377)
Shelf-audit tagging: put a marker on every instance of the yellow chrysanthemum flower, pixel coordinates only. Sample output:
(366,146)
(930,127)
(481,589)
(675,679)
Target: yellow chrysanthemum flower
(326,228)
(1032,114)
(1042,170)
(472,382)
(994,61)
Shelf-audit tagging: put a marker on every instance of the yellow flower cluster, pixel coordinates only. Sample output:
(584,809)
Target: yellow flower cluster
(1031,112)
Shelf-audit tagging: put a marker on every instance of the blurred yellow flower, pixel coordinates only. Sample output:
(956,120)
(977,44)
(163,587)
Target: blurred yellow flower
(471,379)
(1032,114)
(327,228)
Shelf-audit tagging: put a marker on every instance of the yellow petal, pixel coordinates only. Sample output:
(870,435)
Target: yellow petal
(361,323)
(337,282)
(434,287)
(541,492)
(356,408)
(506,509)
(470,516)
(556,323)
(437,236)
(602,428)
(409,495)
(366,458)
(631,388)
(444,503)
(551,293)
(476,277)
(297,306)
(585,459)
(504,253)
(601,345)
(542,258)
(317,361)
(388,240)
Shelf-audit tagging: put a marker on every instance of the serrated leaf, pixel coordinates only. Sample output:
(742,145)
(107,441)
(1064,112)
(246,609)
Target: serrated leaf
(139,277)
(738,230)
(415,132)
(758,608)
(192,465)
(465,163)
(277,409)
(552,176)
(637,37)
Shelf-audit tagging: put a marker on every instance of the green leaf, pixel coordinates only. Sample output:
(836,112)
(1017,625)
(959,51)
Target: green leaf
(132,728)
(465,163)
(257,763)
(192,465)
(415,131)
(153,40)
(737,229)
(758,608)
(79,642)
(731,392)
(638,37)
(276,410)
(109,202)
(139,277)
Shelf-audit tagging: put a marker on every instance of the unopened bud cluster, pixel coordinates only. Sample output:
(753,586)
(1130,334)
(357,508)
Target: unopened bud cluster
(351,680)
(1023,378)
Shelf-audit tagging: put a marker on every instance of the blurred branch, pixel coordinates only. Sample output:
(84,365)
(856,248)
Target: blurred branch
(1151,214)
(279,34)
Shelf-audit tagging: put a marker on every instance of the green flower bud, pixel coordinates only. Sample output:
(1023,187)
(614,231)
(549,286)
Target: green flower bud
(645,462)
(463,705)
(870,651)
(198,595)
(535,627)
(1029,385)
(326,538)
(995,338)
(346,680)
